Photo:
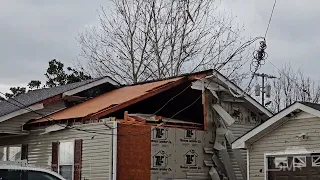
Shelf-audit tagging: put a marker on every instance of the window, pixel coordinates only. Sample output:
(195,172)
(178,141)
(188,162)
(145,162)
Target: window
(315,161)
(66,159)
(3,153)
(299,161)
(10,153)
(277,162)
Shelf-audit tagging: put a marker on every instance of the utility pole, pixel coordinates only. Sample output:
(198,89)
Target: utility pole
(263,76)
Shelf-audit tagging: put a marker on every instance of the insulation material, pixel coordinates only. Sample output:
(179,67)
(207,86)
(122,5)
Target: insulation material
(162,152)
(190,150)
(177,152)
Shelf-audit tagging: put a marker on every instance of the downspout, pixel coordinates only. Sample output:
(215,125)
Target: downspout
(114,151)
(248,165)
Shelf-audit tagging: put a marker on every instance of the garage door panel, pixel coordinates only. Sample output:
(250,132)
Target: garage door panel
(281,178)
(315,177)
(294,167)
(300,177)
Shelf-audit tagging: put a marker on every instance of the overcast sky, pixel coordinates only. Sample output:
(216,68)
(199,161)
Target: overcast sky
(33,32)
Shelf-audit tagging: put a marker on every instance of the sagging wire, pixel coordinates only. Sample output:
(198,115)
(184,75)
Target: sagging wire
(259,59)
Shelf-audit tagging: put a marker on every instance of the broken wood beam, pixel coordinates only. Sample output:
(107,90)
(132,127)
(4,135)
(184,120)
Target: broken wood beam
(219,164)
(227,163)
(237,154)
(214,174)
(223,114)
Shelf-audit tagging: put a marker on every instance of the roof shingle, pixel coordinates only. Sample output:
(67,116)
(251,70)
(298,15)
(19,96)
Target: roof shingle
(38,95)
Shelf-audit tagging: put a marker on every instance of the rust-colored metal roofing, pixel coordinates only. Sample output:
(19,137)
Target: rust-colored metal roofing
(114,100)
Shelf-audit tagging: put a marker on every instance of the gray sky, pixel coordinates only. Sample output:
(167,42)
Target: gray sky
(35,31)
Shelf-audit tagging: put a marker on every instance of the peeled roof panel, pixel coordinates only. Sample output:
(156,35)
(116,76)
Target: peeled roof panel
(109,100)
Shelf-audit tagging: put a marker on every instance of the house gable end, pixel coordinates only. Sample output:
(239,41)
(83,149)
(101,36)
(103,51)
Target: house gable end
(274,122)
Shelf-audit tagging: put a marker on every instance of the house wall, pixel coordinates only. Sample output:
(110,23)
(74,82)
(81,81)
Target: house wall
(133,152)
(283,139)
(14,125)
(238,130)
(96,155)
(179,153)
(244,122)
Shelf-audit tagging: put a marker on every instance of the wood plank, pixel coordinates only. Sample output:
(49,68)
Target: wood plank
(214,174)
(237,154)
(224,114)
(227,163)
(219,164)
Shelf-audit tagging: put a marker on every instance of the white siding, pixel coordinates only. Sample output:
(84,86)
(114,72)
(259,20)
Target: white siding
(238,130)
(96,154)
(282,139)
(14,125)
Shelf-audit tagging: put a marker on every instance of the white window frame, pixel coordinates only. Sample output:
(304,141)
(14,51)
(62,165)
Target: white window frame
(283,153)
(313,163)
(64,141)
(305,159)
(286,166)
(7,147)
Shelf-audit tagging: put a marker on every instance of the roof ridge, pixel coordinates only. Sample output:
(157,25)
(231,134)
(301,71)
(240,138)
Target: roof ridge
(35,96)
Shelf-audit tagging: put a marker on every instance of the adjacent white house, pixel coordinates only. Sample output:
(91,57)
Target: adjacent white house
(287,146)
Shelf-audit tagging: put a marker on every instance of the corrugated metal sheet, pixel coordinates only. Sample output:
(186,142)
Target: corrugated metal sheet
(114,99)
(15,124)
(96,155)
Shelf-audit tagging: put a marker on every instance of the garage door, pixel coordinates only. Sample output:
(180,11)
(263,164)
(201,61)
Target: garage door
(294,167)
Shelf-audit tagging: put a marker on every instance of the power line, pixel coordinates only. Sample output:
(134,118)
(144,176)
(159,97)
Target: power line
(94,132)
(260,55)
(292,80)
(274,5)
(264,78)
(244,45)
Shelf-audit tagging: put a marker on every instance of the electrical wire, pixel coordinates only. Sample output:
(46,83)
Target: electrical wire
(259,56)
(123,125)
(244,45)
(292,80)
(274,5)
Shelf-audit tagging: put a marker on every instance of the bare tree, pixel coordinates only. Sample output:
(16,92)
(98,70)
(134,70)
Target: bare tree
(292,86)
(149,39)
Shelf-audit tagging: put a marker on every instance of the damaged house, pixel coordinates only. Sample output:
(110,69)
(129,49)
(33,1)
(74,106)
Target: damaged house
(177,128)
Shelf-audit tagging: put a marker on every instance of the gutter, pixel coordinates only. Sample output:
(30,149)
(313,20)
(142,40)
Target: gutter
(28,109)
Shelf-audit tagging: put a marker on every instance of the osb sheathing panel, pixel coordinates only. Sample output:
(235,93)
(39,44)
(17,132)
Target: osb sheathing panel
(133,152)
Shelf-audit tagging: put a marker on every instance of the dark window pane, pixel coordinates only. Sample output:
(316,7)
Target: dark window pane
(66,171)
(11,175)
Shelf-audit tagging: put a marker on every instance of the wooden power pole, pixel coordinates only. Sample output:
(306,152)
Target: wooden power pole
(263,76)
